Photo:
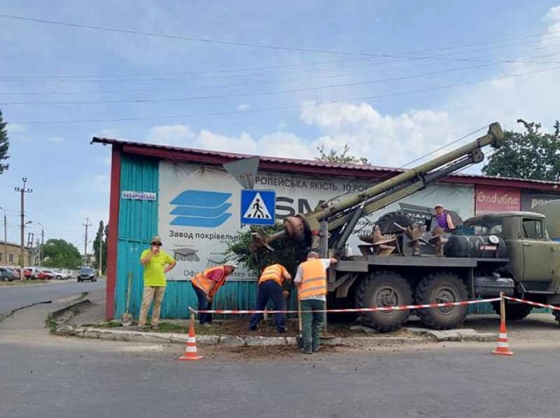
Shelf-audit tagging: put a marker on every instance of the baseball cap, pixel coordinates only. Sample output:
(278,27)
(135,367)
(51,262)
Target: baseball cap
(439,205)
(156,238)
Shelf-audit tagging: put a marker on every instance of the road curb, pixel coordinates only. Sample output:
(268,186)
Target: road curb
(78,301)
(461,334)
(6,315)
(233,340)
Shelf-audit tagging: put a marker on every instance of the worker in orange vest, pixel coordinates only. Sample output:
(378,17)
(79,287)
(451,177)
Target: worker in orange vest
(271,284)
(206,284)
(311,280)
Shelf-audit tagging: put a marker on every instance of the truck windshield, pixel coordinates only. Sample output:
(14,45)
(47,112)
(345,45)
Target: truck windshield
(486,227)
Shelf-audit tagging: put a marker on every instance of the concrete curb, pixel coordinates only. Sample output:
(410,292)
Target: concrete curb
(6,315)
(464,334)
(417,336)
(61,311)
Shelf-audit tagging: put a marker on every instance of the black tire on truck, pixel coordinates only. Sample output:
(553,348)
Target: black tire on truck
(514,311)
(440,288)
(382,289)
(387,222)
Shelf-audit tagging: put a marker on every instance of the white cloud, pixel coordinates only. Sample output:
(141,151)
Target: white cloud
(242,107)
(56,139)
(396,139)
(14,128)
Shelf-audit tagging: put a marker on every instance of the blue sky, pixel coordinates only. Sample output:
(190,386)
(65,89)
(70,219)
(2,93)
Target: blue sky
(51,73)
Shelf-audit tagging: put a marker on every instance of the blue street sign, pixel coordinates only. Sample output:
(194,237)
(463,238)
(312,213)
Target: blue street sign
(258,207)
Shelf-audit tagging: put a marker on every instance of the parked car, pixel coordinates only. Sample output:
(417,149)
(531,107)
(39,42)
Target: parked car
(58,275)
(87,273)
(30,272)
(7,274)
(44,274)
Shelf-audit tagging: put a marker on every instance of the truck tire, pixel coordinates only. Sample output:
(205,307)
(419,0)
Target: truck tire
(379,289)
(556,315)
(441,288)
(387,222)
(514,311)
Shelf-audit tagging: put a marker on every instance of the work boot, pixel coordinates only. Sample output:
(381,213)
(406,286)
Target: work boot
(281,330)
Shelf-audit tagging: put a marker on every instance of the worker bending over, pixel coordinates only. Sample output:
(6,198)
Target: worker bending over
(311,280)
(206,284)
(271,284)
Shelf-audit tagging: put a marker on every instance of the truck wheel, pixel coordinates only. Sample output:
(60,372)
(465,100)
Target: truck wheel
(384,289)
(514,311)
(441,288)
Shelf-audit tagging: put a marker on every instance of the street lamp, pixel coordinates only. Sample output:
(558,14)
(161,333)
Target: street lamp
(5,238)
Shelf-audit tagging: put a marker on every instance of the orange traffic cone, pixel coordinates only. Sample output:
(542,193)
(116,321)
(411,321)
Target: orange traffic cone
(191,353)
(503,348)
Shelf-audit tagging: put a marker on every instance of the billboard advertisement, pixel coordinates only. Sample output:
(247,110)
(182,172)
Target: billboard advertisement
(200,209)
(493,199)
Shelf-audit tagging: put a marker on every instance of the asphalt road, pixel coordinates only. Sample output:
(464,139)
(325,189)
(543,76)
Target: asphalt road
(102,379)
(14,297)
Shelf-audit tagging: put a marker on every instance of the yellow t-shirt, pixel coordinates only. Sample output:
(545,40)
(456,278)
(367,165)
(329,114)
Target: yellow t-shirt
(154,269)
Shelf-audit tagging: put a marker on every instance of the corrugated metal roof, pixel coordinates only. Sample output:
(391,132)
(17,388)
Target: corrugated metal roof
(300,162)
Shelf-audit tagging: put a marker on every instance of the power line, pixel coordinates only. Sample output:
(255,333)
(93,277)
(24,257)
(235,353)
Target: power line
(256,110)
(221,42)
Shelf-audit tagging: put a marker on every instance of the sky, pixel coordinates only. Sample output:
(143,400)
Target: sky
(392,79)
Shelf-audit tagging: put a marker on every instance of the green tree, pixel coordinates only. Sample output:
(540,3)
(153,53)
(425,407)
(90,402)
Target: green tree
(531,155)
(286,252)
(101,237)
(4,144)
(62,254)
(344,157)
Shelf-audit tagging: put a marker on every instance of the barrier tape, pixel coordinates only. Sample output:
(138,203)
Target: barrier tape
(528,302)
(375,309)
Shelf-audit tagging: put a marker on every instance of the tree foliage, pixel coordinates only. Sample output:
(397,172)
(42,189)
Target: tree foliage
(101,238)
(532,155)
(286,252)
(4,144)
(344,157)
(62,254)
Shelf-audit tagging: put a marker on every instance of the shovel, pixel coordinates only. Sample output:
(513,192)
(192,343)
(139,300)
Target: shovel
(299,337)
(126,317)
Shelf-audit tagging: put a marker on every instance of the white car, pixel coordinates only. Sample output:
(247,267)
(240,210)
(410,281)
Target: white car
(58,275)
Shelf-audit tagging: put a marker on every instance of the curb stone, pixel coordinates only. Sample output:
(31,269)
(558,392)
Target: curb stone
(464,334)
(223,340)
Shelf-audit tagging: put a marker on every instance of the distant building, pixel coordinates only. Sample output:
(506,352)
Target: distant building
(10,254)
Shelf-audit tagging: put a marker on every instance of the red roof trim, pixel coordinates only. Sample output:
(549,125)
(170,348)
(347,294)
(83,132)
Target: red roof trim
(309,167)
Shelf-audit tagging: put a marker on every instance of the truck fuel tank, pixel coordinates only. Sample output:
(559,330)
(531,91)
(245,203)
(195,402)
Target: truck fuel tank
(475,246)
(491,286)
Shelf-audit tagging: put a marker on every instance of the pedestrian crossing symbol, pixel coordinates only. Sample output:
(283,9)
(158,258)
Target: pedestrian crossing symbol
(258,207)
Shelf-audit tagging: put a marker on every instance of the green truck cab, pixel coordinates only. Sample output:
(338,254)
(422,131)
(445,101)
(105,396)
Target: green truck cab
(533,257)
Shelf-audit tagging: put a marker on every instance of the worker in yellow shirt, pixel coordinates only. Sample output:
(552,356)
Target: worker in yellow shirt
(156,264)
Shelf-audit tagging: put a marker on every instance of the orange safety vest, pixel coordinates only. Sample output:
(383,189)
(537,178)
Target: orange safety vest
(210,287)
(274,272)
(314,279)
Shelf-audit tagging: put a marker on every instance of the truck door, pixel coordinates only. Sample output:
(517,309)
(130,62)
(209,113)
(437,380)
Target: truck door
(537,255)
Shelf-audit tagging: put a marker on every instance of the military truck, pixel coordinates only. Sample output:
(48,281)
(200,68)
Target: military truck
(405,261)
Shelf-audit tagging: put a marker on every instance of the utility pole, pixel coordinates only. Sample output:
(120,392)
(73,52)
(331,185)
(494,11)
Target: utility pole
(5,259)
(22,191)
(87,225)
(42,244)
(101,256)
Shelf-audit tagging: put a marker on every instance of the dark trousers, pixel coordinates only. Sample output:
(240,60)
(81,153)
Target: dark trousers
(312,323)
(203,305)
(269,290)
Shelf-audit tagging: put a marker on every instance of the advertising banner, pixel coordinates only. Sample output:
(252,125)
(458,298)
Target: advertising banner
(493,199)
(200,209)
(530,200)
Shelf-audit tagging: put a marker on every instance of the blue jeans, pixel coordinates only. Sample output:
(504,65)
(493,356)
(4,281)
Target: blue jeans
(269,290)
(203,305)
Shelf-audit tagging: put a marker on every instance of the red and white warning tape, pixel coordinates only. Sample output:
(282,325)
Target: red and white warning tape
(375,309)
(528,302)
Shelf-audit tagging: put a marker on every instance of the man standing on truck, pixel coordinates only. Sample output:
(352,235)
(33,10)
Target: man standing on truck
(443,219)
(206,284)
(271,284)
(156,265)
(311,280)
